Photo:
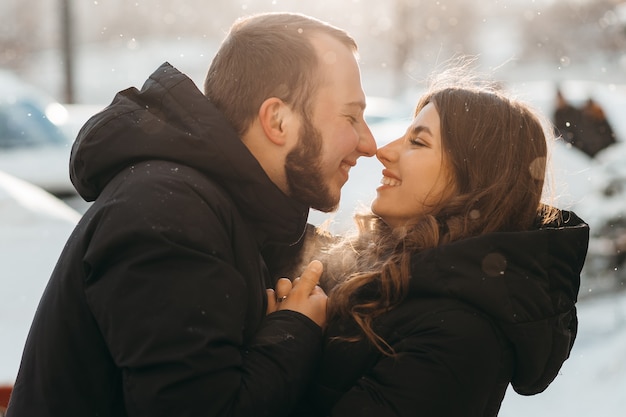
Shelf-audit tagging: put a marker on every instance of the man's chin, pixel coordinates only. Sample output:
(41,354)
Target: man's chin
(325,205)
(324,209)
(328,204)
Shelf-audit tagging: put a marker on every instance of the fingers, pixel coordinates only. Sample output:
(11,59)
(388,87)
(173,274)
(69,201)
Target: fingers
(306,296)
(303,295)
(283,286)
(309,278)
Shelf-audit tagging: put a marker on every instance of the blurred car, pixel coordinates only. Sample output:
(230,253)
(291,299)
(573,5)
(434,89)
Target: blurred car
(34,226)
(33,147)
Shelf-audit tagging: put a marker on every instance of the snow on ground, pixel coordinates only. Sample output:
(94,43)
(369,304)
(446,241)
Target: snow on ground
(592,382)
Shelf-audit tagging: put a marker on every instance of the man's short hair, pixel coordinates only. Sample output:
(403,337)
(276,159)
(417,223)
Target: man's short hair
(263,56)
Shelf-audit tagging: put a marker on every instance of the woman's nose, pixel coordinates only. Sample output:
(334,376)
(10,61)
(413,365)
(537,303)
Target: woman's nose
(387,153)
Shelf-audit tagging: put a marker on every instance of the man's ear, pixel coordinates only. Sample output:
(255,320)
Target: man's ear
(273,116)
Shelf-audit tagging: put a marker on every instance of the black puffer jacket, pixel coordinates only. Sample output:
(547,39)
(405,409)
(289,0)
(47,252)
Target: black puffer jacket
(480,313)
(157,304)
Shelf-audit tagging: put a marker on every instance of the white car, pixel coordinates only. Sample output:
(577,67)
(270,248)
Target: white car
(34,226)
(33,147)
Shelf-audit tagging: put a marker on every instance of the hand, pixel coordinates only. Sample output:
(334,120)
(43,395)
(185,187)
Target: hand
(305,296)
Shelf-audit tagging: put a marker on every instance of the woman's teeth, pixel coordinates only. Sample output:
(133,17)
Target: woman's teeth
(392,182)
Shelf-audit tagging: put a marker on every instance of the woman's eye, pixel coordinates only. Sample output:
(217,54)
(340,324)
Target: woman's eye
(416,142)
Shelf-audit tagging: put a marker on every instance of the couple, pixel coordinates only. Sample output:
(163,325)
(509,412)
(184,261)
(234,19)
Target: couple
(166,299)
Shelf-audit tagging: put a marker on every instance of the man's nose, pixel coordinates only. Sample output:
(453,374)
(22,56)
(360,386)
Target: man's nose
(367,143)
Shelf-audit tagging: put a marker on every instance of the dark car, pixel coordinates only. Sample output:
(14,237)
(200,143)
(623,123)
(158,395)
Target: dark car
(32,146)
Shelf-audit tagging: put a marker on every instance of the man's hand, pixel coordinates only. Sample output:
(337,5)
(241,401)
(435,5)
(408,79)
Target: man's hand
(303,295)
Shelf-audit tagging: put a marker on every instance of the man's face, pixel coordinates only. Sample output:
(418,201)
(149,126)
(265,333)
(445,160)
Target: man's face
(335,136)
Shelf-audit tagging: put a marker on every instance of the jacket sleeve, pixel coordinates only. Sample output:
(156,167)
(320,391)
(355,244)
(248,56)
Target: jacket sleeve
(173,311)
(452,365)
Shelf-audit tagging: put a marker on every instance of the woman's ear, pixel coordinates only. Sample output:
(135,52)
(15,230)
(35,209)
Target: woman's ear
(273,116)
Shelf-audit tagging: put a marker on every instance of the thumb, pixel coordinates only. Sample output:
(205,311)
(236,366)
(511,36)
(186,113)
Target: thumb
(310,276)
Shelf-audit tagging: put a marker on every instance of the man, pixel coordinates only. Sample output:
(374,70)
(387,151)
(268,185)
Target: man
(157,305)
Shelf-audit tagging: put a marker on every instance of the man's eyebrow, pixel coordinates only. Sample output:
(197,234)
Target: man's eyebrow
(358,104)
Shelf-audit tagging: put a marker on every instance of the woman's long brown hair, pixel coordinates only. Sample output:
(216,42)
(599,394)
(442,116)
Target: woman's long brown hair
(496,149)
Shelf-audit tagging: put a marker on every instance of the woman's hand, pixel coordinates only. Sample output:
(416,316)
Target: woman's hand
(303,295)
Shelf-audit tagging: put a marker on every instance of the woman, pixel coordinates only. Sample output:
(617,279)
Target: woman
(461,281)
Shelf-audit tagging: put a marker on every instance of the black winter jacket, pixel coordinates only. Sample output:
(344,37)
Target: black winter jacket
(480,313)
(157,304)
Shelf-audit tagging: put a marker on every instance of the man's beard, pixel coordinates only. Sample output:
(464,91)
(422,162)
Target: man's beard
(303,168)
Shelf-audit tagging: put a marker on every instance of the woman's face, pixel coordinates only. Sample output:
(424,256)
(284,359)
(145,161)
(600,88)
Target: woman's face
(416,176)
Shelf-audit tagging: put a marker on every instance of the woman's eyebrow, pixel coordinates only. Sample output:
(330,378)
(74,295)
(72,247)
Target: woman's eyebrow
(416,130)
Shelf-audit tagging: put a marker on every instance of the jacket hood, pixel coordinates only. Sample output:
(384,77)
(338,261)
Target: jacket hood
(526,282)
(170,119)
